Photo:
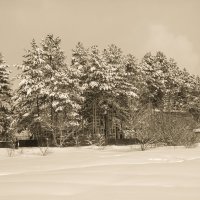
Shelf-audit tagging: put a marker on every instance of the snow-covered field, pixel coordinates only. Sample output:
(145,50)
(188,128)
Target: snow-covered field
(117,173)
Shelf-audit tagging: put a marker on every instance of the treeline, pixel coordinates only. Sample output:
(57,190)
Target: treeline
(97,89)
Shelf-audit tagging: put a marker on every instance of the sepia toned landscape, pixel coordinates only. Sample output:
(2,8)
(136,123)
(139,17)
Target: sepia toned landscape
(99,99)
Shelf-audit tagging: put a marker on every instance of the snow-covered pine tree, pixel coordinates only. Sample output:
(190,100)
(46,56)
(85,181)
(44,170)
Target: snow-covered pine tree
(134,76)
(167,86)
(5,100)
(95,84)
(120,79)
(64,92)
(171,99)
(179,87)
(77,69)
(194,100)
(152,66)
(48,98)
(27,98)
(122,72)
(187,85)
(79,58)
(108,89)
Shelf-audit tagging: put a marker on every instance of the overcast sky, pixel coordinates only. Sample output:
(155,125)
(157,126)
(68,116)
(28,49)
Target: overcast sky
(136,26)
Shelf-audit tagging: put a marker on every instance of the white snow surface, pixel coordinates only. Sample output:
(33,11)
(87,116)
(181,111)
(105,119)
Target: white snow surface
(93,173)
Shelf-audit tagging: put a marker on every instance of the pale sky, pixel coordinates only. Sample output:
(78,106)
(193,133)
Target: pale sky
(136,26)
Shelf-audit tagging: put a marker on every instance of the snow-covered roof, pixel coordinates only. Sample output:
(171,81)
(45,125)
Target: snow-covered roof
(23,135)
(197,130)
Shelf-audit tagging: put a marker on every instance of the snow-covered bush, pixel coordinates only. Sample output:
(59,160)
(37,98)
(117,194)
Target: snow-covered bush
(144,126)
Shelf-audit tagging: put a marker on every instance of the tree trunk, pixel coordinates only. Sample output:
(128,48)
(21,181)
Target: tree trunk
(38,108)
(51,111)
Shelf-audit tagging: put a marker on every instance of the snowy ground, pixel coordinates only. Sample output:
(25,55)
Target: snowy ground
(113,173)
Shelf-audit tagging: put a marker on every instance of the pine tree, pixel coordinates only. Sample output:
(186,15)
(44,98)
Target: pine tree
(167,86)
(152,66)
(122,74)
(194,100)
(5,100)
(48,98)
(107,88)
(186,86)
(27,98)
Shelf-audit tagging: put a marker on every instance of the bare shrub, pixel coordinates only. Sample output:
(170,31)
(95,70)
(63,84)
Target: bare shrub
(44,147)
(10,152)
(96,139)
(100,140)
(44,150)
(144,127)
(153,127)
(190,139)
(11,149)
(89,139)
(77,139)
(21,150)
(176,129)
